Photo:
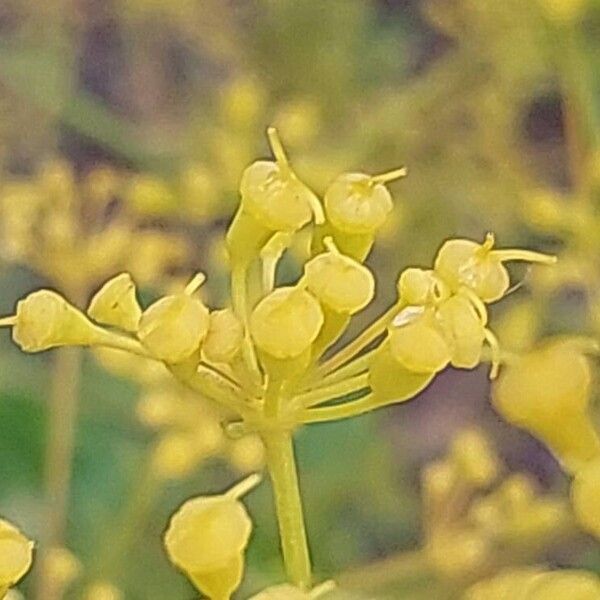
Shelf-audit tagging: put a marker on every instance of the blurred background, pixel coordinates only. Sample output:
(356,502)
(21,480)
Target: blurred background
(125,126)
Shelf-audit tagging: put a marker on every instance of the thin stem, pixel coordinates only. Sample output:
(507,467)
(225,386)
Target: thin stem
(239,297)
(64,393)
(355,367)
(212,385)
(390,175)
(330,392)
(355,346)
(341,411)
(281,464)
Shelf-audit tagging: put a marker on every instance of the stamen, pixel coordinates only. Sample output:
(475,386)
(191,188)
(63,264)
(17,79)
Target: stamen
(389,176)
(330,245)
(494,345)
(478,304)
(8,321)
(195,283)
(279,151)
(317,209)
(523,255)
(243,487)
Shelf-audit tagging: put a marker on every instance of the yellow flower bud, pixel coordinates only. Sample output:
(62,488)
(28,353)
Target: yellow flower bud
(475,459)
(341,283)
(272,193)
(392,382)
(16,555)
(356,203)
(44,320)
(224,337)
(273,199)
(479,267)
(417,287)
(285,323)
(585,495)
(173,328)
(465,330)
(547,393)
(207,538)
(417,342)
(116,304)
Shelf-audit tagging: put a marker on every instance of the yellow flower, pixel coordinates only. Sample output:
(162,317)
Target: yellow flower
(479,267)
(547,392)
(173,328)
(356,203)
(475,459)
(116,304)
(341,283)
(16,556)
(285,323)
(44,320)
(207,538)
(417,342)
(224,337)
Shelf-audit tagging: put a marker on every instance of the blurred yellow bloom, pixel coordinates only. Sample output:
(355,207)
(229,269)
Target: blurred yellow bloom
(16,556)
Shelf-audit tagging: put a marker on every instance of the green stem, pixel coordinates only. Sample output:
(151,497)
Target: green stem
(355,346)
(330,392)
(281,464)
(356,367)
(64,396)
(342,411)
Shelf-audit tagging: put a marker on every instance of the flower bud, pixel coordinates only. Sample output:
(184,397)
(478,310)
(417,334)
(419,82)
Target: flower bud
(16,555)
(417,287)
(173,328)
(478,267)
(44,320)
(547,392)
(115,304)
(356,203)
(391,381)
(224,337)
(275,198)
(272,193)
(585,495)
(207,538)
(341,283)
(285,323)
(464,329)
(417,342)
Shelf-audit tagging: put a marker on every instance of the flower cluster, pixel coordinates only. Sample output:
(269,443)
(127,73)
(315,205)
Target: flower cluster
(473,516)
(76,232)
(262,360)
